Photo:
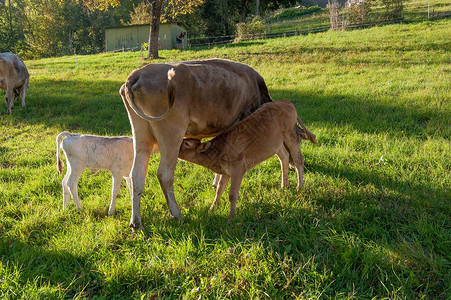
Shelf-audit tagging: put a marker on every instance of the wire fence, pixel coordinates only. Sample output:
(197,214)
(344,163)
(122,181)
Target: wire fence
(220,40)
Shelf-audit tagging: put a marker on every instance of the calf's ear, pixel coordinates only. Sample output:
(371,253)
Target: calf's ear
(203,147)
(190,143)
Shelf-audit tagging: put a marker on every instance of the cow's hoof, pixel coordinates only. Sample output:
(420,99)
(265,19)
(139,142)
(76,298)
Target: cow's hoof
(179,217)
(136,226)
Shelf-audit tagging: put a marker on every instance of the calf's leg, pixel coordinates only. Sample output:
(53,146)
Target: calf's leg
(114,192)
(292,143)
(66,192)
(216,180)
(222,184)
(236,178)
(72,183)
(284,158)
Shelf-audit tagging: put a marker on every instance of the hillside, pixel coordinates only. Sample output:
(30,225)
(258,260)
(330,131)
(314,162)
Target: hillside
(413,10)
(373,220)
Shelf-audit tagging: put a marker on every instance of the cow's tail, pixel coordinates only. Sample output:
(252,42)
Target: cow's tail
(128,93)
(311,136)
(59,162)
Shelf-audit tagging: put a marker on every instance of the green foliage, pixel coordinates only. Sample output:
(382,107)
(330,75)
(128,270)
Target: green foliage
(359,13)
(255,28)
(373,220)
(292,13)
(392,9)
(11,25)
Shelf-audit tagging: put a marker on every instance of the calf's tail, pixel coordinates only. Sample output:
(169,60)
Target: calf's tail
(59,162)
(311,136)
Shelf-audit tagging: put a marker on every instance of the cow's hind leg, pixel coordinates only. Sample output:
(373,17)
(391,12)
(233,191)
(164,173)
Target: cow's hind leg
(169,140)
(22,92)
(165,176)
(137,179)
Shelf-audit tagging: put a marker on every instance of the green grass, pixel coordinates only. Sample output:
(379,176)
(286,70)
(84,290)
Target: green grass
(373,220)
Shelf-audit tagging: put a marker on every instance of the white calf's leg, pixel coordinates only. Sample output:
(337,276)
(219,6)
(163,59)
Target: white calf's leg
(72,183)
(66,192)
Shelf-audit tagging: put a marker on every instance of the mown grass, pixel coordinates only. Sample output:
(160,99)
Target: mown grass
(373,220)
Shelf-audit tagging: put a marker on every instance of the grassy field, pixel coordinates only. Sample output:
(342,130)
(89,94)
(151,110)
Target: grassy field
(373,220)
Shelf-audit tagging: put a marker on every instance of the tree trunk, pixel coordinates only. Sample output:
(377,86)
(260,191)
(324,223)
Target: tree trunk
(257,7)
(333,13)
(154,29)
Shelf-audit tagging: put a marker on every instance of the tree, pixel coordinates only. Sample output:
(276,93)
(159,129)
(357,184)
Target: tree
(154,28)
(158,11)
(11,25)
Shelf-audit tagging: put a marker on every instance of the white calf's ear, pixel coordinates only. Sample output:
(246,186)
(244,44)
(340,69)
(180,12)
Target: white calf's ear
(203,147)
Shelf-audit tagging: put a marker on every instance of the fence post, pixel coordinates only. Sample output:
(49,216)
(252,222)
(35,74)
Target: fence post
(76,60)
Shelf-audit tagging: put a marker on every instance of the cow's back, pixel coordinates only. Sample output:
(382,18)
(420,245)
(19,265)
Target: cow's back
(212,93)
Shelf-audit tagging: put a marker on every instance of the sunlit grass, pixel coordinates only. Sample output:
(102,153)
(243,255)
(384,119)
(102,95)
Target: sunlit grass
(373,220)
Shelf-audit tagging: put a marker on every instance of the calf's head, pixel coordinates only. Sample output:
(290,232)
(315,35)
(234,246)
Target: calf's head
(192,149)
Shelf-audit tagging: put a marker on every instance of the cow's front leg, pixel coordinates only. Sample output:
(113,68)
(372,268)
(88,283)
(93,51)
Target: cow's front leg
(9,100)
(137,180)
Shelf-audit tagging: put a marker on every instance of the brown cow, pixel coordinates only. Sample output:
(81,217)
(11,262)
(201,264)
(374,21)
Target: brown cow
(14,78)
(271,129)
(190,99)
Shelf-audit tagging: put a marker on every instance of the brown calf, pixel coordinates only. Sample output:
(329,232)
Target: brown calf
(271,129)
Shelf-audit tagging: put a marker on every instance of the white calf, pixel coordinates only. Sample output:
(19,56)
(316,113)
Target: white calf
(114,154)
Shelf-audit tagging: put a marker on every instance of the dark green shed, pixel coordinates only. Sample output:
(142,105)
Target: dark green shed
(134,36)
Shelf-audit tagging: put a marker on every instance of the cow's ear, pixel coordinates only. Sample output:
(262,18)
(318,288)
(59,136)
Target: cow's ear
(203,147)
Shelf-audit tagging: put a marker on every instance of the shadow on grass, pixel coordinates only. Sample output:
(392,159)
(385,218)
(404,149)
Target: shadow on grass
(97,108)
(367,115)
(47,267)
(86,106)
